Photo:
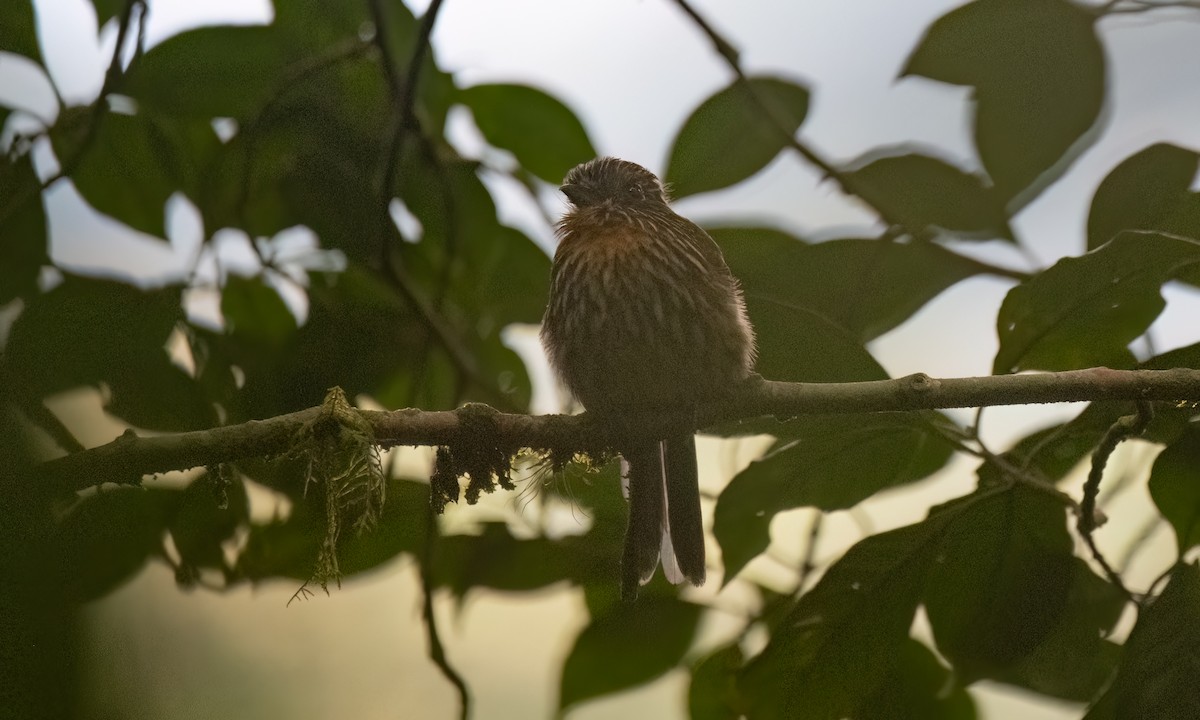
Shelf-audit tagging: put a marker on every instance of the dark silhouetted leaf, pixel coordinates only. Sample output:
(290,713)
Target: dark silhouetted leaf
(788,339)
(209,512)
(633,644)
(1084,311)
(18,29)
(497,560)
(1001,580)
(254,312)
(107,10)
(221,71)
(105,539)
(713,693)
(844,637)
(1075,660)
(22,228)
(1038,70)
(730,137)
(829,462)
(1157,676)
(544,135)
(518,282)
(1144,192)
(919,688)
(159,395)
(863,285)
(922,192)
(1175,487)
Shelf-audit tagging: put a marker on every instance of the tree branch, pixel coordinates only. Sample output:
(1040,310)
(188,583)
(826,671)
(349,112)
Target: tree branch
(129,457)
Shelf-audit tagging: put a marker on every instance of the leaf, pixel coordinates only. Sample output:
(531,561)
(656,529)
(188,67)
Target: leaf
(632,645)
(255,314)
(713,693)
(1142,193)
(1175,488)
(731,137)
(210,510)
(209,72)
(107,10)
(157,394)
(135,163)
(22,228)
(866,286)
(105,539)
(840,643)
(122,327)
(788,337)
(922,192)
(518,280)
(1001,580)
(1038,70)
(498,561)
(544,135)
(1084,311)
(919,688)
(828,462)
(1157,675)
(18,29)
(1075,660)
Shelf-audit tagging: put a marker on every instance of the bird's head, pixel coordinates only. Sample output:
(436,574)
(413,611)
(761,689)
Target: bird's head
(609,179)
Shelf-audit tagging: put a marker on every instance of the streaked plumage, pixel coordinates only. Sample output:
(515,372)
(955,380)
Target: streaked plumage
(644,316)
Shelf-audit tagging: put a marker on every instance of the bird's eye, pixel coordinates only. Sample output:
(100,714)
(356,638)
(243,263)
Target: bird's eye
(636,190)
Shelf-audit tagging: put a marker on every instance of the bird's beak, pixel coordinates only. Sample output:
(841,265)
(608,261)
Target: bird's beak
(579,195)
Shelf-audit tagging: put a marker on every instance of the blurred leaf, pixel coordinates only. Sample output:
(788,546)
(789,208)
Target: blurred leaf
(1038,70)
(22,228)
(713,693)
(401,528)
(799,344)
(518,282)
(497,560)
(157,394)
(1084,311)
(122,327)
(254,312)
(924,192)
(828,462)
(1075,660)
(105,539)
(844,637)
(1175,487)
(632,645)
(1142,193)
(1001,580)
(544,135)
(209,72)
(866,286)
(18,29)
(135,162)
(919,688)
(1157,675)
(210,511)
(107,10)
(729,137)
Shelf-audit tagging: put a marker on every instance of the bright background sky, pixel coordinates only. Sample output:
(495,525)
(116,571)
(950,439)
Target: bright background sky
(632,70)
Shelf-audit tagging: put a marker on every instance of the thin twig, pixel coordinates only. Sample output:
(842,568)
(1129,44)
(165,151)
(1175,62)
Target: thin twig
(808,562)
(1124,427)
(437,653)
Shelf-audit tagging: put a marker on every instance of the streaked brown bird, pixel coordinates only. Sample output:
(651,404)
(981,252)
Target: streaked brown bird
(644,317)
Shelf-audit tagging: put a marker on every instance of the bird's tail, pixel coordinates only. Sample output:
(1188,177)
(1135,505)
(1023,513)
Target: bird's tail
(664,514)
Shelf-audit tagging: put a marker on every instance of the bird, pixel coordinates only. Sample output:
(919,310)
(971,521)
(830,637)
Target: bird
(644,318)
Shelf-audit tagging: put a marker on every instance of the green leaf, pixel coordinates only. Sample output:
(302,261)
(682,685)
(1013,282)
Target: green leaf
(209,72)
(829,462)
(518,280)
(1175,487)
(107,10)
(1157,675)
(208,514)
(22,228)
(544,135)
(255,314)
(1084,311)
(495,559)
(632,645)
(787,335)
(157,394)
(123,328)
(866,286)
(1144,192)
(713,693)
(18,29)
(922,192)
(1038,70)
(730,137)
(919,688)
(105,539)
(840,643)
(1076,660)
(136,162)
(1001,582)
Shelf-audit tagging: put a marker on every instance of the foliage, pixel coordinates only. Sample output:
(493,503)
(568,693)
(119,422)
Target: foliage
(321,129)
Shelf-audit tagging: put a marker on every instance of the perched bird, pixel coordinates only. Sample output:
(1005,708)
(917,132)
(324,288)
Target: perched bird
(644,317)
